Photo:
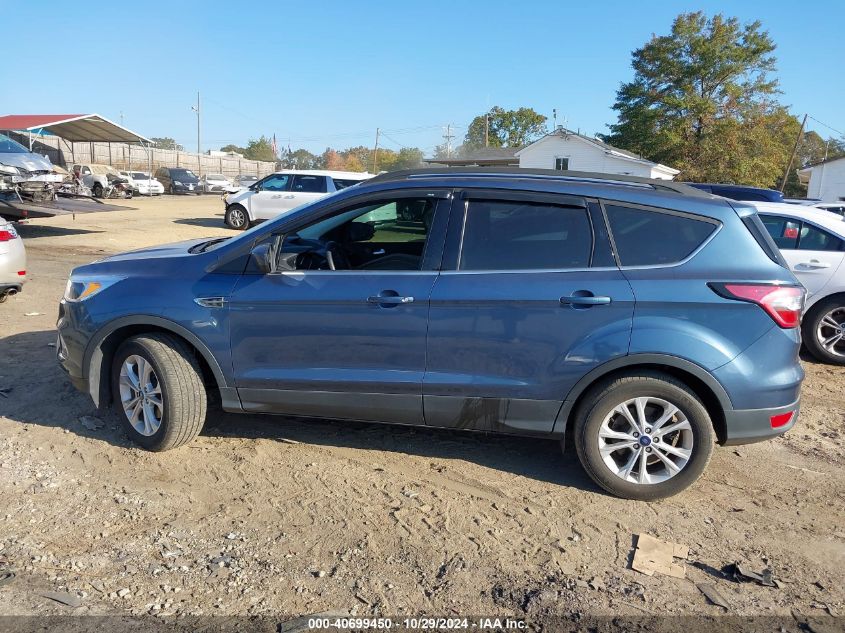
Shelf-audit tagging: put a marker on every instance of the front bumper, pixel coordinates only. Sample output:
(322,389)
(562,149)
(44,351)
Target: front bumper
(187,189)
(746,426)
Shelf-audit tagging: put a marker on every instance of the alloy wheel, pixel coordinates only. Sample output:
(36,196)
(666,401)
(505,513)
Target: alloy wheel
(236,218)
(830,332)
(140,395)
(646,440)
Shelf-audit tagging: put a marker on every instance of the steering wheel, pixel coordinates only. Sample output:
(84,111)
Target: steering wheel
(335,257)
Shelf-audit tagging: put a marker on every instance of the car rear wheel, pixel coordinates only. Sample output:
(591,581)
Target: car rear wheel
(97,190)
(236,217)
(643,436)
(823,331)
(158,391)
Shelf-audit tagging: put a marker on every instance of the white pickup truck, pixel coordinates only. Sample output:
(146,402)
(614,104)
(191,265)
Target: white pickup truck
(103,180)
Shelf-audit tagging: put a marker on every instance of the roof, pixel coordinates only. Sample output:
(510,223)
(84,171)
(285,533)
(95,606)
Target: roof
(605,147)
(523,173)
(822,162)
(351,175)
(73,127)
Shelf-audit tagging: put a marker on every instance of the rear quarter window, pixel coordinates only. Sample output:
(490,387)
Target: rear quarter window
(646,237)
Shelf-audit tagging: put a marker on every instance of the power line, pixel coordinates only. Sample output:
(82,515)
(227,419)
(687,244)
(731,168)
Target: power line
(826,125)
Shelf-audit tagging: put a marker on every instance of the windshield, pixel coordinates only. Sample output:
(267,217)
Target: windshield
(248,179)
(8,146)
(215,177)
(139,175)
(102,169)
(183,174)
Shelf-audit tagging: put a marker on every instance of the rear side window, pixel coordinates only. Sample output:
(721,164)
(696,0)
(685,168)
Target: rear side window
(525,236)
(652,238)
(814,239)
(309,184)
(342,183)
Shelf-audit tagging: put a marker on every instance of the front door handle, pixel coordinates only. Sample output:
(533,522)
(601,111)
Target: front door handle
(581,298)
(276,196)
(813,263)
(389,300)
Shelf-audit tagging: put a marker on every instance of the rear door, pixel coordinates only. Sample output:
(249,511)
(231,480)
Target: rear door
(813,253)
(530,300)
(270,197)
(305,188)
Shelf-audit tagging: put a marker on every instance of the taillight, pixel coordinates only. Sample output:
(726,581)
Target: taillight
(782,419)
(782,303)
(6,236)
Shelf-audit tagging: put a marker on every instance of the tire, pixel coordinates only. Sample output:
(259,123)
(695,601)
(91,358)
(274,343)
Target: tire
(178,378)
(817,327)
(694,437)
(170,190)
(97,190)
(236,217)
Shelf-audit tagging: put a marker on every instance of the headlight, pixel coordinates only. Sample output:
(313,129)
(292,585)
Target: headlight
(79,289)
(176,182)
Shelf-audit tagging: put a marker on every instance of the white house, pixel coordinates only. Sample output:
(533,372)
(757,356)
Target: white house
(825,180)
(564,149)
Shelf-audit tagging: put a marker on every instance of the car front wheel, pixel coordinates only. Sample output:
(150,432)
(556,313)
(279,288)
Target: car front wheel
(643,436)
(823,331)
(236,217)
(158,391)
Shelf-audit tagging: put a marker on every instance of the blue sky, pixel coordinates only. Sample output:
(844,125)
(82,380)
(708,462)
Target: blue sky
(328,73)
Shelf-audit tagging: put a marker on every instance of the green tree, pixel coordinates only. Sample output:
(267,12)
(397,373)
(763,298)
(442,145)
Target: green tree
(165,142)
(702,100)
(259,149)
(232,149)
(407,158)
(505,128)
(301,159)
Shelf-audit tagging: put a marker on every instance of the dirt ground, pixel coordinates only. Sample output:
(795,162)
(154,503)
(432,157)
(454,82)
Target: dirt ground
(282,517)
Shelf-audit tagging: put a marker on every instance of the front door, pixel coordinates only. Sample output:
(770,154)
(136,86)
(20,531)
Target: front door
(348,342)
(533,302)
(271,197)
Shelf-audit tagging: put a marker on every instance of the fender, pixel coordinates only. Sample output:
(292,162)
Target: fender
(92,362)
(636,360)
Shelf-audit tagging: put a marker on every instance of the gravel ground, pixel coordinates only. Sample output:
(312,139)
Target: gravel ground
(280,517)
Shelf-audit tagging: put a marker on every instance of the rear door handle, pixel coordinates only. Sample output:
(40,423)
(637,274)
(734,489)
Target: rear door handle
(584,300)
(289,196)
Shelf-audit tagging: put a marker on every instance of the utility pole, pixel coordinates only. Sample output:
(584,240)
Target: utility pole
(199,138)
(448,138)
(792,155)
(375,153)
(487,130)
(121,118)
(554,119)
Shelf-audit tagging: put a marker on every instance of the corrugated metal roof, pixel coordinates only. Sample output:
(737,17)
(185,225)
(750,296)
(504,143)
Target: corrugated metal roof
(73,127)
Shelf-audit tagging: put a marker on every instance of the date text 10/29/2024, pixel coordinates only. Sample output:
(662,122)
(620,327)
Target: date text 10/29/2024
(418,624)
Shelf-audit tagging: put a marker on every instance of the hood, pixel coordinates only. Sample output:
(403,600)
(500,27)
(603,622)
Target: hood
(28,162)
(177,249)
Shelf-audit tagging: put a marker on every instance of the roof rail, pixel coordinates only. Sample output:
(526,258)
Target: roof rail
(538,174)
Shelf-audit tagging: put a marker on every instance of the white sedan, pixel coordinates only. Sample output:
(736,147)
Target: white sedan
(146,185)
(813,243)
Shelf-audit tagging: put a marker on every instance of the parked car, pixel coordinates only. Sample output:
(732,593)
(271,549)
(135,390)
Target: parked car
(241,182)
(739,192)
(12,261)
(178,180)
(832,207)
(26,174)
(813,243)
(214,183)
(283,191)
(146,185)
(610,312)
(104,181)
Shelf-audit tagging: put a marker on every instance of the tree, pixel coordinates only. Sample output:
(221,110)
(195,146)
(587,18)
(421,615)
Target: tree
(259,149)
(301,159)
(332,160)
(812,149)
(702,100)
(232,149)
(165,142)
(505,128)
(407,158)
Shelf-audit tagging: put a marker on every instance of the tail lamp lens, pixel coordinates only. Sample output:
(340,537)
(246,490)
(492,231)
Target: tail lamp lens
(781,419)
(783,303)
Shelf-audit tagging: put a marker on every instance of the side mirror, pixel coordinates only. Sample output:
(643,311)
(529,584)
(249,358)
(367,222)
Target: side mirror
(261,258)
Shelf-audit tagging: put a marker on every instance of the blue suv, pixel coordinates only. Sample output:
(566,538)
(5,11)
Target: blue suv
(642,320)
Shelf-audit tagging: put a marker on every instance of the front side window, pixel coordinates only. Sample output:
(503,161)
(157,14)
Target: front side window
(646,237)
(784,231)
(561,163)
(343,183)
(502,235)
(276,182)
(309,184)
(815,239)
(383,235)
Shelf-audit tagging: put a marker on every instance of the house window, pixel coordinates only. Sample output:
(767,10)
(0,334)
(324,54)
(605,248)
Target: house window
(562,163)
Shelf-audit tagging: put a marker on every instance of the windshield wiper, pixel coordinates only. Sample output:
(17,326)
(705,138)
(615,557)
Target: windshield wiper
(204,246)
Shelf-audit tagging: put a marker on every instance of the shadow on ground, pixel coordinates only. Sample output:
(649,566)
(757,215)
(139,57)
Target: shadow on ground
(35,390)
(33,231)
(215,222)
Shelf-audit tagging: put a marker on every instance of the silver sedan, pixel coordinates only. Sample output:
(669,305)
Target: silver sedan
(12,261)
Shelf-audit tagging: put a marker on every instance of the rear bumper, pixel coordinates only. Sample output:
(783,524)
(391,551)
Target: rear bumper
(746,426)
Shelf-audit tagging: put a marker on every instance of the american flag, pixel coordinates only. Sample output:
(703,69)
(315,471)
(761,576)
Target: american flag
(275,149)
